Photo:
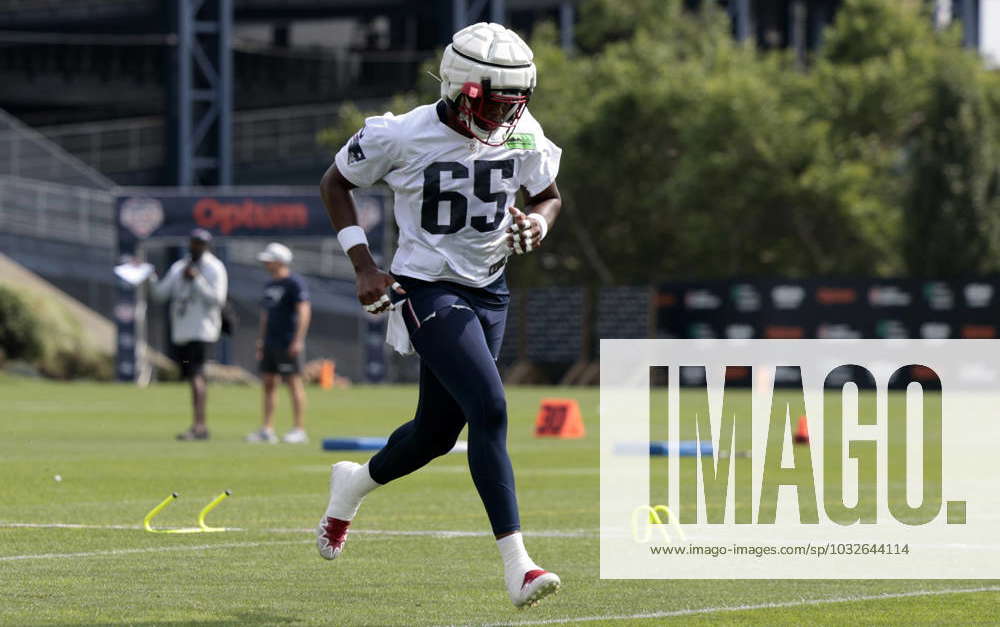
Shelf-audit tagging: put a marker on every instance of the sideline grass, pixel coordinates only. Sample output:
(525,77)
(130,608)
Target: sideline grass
(113,447)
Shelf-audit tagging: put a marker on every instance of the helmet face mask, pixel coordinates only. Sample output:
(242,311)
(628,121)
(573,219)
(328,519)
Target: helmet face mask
(490,115)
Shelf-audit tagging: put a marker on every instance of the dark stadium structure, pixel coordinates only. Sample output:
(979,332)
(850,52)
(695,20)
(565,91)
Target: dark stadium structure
(96,94)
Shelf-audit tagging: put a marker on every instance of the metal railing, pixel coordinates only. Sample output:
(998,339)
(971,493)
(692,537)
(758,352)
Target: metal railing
(26,153)
(47,191)
(53,211)
(137,144)
(79,215)
(73,8)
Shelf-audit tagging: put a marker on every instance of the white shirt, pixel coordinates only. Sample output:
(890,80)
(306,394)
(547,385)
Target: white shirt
(195,305)
(451,192)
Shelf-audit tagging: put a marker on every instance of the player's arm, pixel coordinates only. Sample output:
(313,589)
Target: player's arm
(213,291)
(161,288)
(372,282)
(261,333)
(531,225)
(304,310)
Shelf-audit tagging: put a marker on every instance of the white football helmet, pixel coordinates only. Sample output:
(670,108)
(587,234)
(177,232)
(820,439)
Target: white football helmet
(487,76)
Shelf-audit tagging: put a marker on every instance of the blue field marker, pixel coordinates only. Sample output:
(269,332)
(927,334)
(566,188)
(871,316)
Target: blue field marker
(686,448)
(353,444)
(373,444)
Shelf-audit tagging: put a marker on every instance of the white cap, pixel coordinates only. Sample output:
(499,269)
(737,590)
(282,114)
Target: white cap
(276,252)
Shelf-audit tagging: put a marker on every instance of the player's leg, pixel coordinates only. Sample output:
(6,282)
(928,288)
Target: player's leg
(432,432)
(270,400)
(192,361)
(269,380)
(453,347)
(199,394)
(526,582)
(439,418)
(460,345)
(297,390)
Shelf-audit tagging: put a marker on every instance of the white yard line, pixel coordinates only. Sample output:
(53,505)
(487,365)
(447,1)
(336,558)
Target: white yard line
(742,608)
(560,471)
(444,533)
(462,534)
(434,533)
(153,549)
(17,525)
(463,469)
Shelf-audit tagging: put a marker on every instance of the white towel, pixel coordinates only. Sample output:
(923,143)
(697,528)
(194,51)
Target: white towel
(396,334)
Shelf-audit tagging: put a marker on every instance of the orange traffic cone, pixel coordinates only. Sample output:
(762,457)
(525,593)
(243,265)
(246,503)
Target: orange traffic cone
(326,374)
(802,431)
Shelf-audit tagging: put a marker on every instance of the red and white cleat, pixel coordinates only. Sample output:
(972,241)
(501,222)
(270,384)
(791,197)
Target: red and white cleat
(331,534)
(535,586)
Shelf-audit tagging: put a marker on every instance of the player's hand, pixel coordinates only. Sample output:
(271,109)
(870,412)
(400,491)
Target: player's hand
(190,272)
(372,286)
(524,235)
(295,348)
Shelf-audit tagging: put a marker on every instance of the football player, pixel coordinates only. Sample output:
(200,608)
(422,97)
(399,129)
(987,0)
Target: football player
(456,168)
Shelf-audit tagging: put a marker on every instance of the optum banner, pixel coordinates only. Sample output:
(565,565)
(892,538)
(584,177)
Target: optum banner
(151,214)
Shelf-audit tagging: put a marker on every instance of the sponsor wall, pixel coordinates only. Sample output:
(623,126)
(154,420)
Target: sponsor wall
(146,215)
(563,325)
(843,309)
(829,309)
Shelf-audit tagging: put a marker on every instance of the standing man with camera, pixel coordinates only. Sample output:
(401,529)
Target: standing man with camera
(196,287)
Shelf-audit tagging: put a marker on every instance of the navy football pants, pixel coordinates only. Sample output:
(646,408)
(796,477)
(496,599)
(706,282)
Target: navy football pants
(457,332)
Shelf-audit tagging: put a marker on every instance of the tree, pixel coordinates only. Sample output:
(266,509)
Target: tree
(923,111)
(687,154)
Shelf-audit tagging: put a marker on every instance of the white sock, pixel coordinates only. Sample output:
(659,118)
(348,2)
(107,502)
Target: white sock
(515,558)
(345,503)
(362,482)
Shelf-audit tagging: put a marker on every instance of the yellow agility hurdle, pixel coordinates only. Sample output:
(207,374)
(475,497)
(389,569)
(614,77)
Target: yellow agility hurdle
(202,527)
(653,518)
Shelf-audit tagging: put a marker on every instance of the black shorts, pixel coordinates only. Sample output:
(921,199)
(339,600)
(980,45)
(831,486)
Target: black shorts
(276,360)
(191,358)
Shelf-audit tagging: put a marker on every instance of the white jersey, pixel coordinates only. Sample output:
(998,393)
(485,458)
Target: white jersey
(451,192)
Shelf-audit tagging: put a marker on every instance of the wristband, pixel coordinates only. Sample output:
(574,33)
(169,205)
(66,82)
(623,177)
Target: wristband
(351,236)
(543,224)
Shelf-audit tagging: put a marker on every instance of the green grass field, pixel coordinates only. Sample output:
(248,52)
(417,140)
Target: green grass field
(113,447)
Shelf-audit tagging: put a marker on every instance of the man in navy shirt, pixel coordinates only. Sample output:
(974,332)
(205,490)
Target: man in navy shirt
(284,321)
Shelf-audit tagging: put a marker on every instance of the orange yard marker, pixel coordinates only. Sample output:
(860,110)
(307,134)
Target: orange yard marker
(559,418)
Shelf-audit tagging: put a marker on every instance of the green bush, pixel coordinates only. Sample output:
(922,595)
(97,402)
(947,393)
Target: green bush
(19,337)
(40,330)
